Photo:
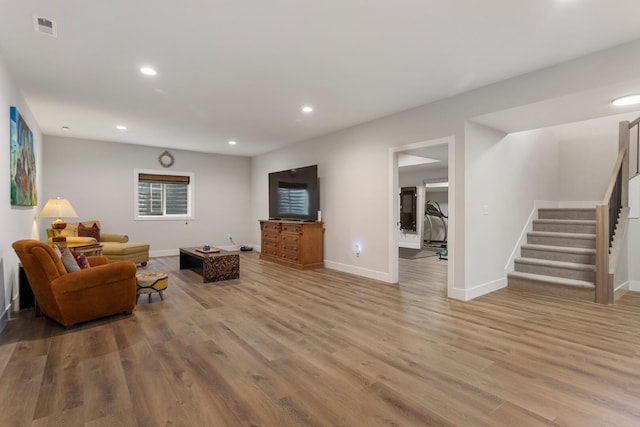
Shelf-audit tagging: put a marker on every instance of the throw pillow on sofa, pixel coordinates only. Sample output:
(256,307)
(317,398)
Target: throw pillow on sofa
(69,261)
(73,261)
(93,231)
(81,259)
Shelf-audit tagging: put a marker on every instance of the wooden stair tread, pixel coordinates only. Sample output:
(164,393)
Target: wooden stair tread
(552,280)
(565,221)
(564,235)
(552,263)
(567,209)
(564,249)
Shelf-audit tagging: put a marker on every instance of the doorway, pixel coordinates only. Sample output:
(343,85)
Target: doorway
(429,167)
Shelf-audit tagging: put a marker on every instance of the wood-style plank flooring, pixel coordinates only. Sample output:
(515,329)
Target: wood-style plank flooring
(279,347)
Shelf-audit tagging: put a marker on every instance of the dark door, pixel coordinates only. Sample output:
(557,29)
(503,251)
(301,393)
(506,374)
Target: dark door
(408,198)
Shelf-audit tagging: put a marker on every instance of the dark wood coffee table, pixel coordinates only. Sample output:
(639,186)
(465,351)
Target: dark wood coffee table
(215,267)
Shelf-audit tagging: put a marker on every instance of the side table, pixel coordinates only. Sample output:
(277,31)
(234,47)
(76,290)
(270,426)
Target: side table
(88,250)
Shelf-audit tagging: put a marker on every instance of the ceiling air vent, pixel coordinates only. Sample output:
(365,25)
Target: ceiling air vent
(45,26)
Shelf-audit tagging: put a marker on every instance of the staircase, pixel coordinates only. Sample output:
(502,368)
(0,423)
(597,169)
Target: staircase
(559,256)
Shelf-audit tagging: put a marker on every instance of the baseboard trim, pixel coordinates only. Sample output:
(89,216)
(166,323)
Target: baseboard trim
(165,252)
(633,285)
(175,252)
(371,274)
(358,271)
(479,290)
(620,290)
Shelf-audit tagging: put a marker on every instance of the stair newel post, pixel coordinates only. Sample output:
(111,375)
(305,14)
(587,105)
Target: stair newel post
(604,294)
(623,144)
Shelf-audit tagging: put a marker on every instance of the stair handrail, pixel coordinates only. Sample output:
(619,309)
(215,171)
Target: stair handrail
(636,124)
(607,213)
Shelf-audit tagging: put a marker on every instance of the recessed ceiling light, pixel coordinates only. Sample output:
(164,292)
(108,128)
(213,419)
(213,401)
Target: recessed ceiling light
(627,100)
(307,109)
(121,127)
(65,127)
(232,143)
(148,71)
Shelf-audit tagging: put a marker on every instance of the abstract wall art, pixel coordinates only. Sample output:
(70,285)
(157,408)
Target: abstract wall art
(23,162)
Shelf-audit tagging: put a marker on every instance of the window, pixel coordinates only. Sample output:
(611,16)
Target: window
(163,196)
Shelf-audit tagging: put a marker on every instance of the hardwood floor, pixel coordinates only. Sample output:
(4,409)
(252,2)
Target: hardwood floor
(280,347)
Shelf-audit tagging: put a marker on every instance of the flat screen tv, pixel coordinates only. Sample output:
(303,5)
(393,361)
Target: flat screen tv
(294,194)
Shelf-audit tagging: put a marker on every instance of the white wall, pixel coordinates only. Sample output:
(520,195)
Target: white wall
(417,177)
(506,174)
(588,151)
(354,166)
(98,179)
(633,243)
(349,197)
(17,222)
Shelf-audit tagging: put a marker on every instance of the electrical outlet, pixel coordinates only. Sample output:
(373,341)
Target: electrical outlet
(230,237)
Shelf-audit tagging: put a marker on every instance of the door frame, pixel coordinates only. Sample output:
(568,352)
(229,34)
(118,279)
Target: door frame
(394,212)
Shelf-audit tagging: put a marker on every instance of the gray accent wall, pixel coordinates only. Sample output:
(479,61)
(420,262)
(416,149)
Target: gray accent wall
(98,179)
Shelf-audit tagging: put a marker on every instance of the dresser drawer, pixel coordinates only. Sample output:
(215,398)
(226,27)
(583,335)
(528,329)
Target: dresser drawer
(290,247)
(290,239)
(270,237)
(270,227)
(292,243)
(291,256)
(269,248)
(291,229)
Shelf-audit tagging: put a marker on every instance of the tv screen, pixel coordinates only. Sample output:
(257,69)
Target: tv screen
(294,194)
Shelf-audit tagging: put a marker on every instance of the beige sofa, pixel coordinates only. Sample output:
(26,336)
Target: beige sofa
(116,247)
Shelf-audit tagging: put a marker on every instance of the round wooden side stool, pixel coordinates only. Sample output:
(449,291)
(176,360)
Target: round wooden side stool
(148,283)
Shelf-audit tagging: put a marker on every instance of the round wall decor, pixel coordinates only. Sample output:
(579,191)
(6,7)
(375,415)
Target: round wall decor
(166,159)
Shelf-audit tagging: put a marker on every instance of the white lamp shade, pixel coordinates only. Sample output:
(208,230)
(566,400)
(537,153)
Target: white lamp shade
(58,208)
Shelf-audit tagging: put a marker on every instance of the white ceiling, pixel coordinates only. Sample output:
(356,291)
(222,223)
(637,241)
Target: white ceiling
(242,69)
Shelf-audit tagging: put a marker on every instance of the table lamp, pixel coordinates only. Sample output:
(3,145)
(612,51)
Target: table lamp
(58,208)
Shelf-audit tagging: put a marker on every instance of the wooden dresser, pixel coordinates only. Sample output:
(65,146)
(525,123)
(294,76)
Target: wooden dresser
(292,243)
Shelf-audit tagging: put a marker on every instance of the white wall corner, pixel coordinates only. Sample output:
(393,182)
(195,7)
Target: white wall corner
(634,197)
(633,285)
(477,291)
(456,293)
(625,286)
(485,288)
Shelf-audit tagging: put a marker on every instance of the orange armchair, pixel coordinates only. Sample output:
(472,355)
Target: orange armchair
(70,298)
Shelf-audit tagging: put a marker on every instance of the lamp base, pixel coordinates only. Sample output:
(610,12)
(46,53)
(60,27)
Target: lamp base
(59,224)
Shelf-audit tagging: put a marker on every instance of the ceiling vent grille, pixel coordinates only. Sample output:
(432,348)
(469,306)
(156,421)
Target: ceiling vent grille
(45,26)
